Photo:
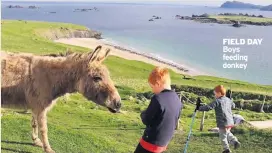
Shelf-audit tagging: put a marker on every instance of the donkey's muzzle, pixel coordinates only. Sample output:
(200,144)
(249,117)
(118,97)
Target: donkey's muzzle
(118,104)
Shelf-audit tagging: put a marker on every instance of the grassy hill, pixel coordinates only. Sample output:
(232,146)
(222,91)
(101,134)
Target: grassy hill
(77,125)
(240,18)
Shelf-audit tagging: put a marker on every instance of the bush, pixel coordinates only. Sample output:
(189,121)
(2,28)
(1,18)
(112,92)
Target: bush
(243,100)
(253,105)
(209,93)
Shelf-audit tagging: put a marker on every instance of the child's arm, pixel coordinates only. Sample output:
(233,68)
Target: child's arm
(208,107)
(153,108)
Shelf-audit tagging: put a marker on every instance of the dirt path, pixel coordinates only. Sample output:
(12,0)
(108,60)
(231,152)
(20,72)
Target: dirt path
(262,124)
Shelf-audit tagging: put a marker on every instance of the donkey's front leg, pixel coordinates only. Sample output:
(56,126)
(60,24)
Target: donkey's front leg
(42,122)
(35,138)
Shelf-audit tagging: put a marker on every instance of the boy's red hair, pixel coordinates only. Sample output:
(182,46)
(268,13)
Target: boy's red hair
(159,75)
(220,89)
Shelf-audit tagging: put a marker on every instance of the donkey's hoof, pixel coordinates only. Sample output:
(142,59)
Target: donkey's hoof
(49,150)
(38,143)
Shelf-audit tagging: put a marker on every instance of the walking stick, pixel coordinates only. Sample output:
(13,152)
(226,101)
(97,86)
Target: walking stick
(229,93)
(192,123)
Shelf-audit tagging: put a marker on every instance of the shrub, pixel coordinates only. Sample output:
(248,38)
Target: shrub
(209,93)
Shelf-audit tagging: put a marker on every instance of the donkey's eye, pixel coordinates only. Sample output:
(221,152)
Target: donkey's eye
(97,78)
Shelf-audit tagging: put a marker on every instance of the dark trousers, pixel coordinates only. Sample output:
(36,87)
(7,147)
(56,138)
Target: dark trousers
(140,149)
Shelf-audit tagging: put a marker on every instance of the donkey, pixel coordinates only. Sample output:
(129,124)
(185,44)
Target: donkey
(36,81)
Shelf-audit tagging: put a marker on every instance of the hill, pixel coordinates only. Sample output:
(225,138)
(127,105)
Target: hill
(77,125)
(242,5)
(267,8)
(237,4)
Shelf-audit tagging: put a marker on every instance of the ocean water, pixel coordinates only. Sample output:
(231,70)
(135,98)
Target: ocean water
(194,44)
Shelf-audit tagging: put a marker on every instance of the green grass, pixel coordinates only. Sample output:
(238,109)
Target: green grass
(18,36)
(77,125)
(241,18)
(81,126)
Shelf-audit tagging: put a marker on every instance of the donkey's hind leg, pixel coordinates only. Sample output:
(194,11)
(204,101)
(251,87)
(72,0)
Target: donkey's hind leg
(35,138)
(42,122)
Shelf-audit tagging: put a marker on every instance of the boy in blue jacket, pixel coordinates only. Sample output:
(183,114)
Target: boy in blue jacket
(162,114)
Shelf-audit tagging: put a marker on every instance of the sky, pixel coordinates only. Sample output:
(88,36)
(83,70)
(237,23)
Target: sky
(184,2)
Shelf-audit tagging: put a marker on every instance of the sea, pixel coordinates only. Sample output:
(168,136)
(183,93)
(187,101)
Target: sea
(196,45)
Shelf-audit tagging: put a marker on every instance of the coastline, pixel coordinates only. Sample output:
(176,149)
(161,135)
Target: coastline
(131,54)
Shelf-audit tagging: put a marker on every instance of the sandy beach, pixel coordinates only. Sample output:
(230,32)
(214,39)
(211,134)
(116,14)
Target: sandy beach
(128,54)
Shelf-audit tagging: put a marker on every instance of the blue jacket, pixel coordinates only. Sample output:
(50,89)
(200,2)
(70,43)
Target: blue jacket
(222,106)
(161,118)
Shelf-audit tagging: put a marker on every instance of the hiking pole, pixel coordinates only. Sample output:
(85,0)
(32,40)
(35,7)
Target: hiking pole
(229,93)
(192,123)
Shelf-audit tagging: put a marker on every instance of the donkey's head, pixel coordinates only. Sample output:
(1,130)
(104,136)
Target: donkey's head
(95,83)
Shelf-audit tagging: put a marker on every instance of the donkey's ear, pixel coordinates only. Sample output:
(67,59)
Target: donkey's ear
(103,55)
(99,55)
(93,54)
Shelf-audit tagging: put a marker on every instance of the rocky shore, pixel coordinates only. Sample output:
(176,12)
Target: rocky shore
(132,54)
(55,34)
(205,18)
(151,57)
(241,14)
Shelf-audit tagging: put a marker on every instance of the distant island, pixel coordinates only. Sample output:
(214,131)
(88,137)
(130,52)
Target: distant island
(18,6)
(242,5)
(86,9)
(154,17)
(267,8)
(237,20)
(237,4)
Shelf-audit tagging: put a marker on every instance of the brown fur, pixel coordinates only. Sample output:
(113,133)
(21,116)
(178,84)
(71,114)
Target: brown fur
(35,81)
(68,52)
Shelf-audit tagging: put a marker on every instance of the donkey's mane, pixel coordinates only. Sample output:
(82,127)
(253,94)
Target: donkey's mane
(75,56)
